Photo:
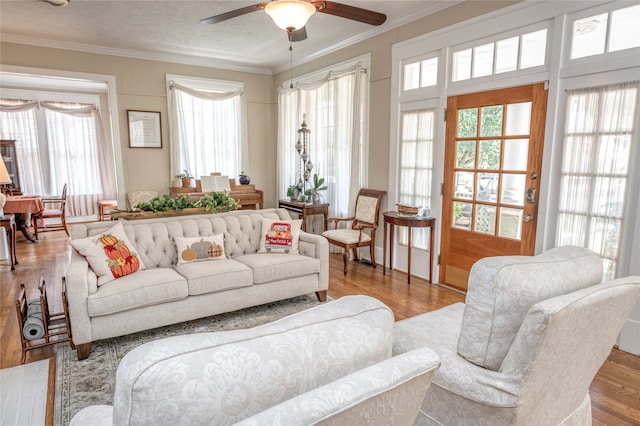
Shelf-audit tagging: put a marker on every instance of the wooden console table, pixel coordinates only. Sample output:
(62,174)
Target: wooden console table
(394,218)
(305,210)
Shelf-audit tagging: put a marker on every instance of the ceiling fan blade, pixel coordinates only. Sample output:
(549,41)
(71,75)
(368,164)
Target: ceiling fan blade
(232,14)
(297,35)
(350,12)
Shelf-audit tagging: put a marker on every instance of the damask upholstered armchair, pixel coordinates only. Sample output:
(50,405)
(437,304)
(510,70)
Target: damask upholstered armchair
(364,223)
(525,346)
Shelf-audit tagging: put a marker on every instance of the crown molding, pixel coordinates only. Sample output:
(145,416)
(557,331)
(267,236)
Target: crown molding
(135,54)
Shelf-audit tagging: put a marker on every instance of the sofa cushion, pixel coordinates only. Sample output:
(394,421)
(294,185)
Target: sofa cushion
(280,236)
(110,254)
(502,289)
(210,277)
(279,266)
(196,249)
(143,288)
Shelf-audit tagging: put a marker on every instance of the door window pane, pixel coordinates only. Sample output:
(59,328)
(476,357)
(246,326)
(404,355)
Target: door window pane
(489,155)
(467,123)
(518,119)
(513,188)
(510,223)
(464,185)
(488,187)
(491,124)
(516,154)
(462,215)
(466,155)
(485,219)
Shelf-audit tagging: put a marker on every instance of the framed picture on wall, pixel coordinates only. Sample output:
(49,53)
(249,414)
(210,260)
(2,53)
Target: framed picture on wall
(144,129)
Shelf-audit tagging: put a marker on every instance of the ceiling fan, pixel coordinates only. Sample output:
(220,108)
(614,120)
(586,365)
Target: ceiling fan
(292,15)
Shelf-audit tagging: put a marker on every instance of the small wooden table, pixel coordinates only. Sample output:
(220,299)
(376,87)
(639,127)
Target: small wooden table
(305,210)
(8,222)
(105,207)
(394,218)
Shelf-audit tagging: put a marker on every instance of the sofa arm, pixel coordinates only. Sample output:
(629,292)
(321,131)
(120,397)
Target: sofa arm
(389,392)
(317,246)
(80,282)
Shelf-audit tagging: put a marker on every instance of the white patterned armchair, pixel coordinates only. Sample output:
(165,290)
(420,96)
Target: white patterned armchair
(525,347)
(327,365)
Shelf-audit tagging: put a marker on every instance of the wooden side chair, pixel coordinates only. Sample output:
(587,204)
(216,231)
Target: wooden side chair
(364,223)
(56,210)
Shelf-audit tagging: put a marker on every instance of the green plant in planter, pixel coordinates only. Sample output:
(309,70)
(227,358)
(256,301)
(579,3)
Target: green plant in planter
(184,175)
(217,202)
(291,192)
(165,203)
(313,192)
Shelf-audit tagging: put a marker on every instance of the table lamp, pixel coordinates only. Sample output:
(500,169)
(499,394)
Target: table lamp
(4,179)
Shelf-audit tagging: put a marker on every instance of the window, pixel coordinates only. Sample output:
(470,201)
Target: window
(69,149)
(595,169)
(335,109)
(524,51)
(420,74)
(416,166)
(606,32)
(208,128)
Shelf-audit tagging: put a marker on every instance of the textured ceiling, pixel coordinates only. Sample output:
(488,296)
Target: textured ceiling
(171,30)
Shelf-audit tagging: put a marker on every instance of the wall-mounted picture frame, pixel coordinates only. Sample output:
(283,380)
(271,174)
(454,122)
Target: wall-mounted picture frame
(144,129)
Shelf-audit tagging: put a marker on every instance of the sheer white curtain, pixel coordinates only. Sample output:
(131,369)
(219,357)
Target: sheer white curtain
(416,167)
(18,121)
(79,156)
(335,111)
(599,132)
(208,131)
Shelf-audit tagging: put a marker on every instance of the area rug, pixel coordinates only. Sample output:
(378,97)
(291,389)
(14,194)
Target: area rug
(80,384)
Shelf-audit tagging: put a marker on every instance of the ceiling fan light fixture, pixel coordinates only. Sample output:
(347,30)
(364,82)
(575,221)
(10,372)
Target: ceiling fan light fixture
(289,14)
(58,2)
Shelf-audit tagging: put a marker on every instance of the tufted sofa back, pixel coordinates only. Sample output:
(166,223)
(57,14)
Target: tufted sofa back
(153,238)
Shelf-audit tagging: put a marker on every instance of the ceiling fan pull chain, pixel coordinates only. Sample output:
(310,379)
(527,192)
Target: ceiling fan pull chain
(291,62)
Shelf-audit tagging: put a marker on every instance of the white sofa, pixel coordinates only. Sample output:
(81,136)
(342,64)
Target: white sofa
(329,365)
(164,293)
(527,343)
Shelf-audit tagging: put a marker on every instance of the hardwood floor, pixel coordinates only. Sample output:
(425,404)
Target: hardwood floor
(615,392)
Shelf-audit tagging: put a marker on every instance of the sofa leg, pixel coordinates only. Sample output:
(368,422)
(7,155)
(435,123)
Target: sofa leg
(83,351)
(322,295)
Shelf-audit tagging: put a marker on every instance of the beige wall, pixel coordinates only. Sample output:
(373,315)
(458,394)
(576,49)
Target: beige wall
(141,86)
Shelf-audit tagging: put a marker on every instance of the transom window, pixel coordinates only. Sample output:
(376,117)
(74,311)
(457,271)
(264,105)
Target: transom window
(422,73)
(509,54)
(606,32)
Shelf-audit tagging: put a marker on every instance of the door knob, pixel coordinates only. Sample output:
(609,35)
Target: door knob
(527,218)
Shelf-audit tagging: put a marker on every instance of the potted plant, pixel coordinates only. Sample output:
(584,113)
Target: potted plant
(314,191)
(292,192)
(187,179)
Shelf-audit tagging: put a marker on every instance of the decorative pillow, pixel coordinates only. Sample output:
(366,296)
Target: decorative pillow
(280,236)
(195,249)
(110,254)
